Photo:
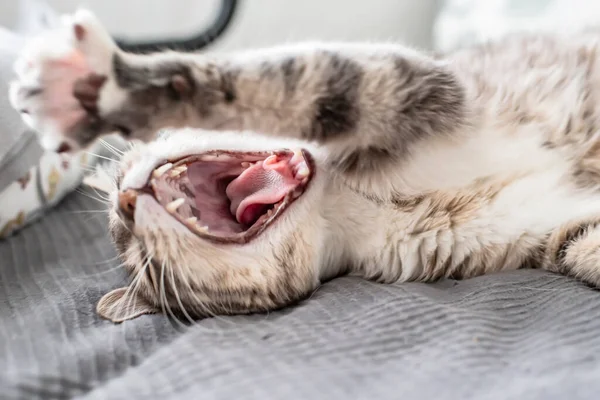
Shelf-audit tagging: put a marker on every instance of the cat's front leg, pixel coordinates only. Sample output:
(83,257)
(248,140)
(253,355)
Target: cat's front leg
(73,85)
(369,104)
(77,55)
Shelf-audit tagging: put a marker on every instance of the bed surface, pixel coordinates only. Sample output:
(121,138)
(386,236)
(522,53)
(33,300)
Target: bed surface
(526,334)
(519,335)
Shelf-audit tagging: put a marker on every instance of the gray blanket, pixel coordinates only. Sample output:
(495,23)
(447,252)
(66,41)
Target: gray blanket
(520,335)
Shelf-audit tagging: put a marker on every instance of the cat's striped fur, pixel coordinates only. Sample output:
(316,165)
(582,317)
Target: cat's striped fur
(454,166)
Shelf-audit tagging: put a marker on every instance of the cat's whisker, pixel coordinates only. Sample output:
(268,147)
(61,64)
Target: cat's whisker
(107,261)
(178,298)
(111,148)
(89,169)
(87,212)
(199,302)
(130,293)
(113,151)
(185,280)
(89,189)
(164,302)
(100,200)
(108,271)
(101,195)
(94,215)
(131,145)
(102,157)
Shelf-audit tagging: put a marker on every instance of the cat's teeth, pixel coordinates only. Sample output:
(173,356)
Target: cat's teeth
(201,228)
(175,204)
(272,159)
(246,164)
(303,171)
(175,172)
(269,212)
(158,172)
(297,157)
(191,220)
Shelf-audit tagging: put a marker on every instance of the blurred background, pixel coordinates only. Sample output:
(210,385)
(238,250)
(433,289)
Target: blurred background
(223,25)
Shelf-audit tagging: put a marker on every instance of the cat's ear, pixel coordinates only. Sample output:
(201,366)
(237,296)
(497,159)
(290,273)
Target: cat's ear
(123,304)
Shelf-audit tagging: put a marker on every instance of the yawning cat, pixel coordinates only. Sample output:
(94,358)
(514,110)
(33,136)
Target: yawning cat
(280,168)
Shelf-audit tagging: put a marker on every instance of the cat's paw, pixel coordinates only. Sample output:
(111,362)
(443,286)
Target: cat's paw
(64,81)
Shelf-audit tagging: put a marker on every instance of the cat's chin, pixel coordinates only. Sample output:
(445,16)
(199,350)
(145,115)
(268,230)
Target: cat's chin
(226,196)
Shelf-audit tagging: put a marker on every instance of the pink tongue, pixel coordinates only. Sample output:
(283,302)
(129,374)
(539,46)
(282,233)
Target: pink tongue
(256,188)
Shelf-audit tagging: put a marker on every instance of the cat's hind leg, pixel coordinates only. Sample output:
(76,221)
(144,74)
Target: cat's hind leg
(574,250)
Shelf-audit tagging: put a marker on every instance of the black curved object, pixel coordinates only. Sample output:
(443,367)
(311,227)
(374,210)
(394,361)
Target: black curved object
(198,42)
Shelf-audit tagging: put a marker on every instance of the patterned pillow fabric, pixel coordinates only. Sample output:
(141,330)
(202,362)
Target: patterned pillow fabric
(465,22)
(47,182)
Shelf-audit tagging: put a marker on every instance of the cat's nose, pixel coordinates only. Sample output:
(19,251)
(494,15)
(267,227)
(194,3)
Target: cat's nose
(127,201)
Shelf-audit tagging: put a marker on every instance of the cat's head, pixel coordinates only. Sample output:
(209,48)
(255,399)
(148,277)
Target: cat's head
(216,223)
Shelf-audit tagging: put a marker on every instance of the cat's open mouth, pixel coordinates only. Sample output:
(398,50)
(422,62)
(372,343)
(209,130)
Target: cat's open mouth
(231,196)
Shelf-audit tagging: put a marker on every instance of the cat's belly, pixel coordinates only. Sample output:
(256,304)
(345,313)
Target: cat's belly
(491,226)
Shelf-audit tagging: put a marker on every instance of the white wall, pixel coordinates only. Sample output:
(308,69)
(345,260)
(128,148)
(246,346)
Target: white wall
(262,22)
(265,22)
